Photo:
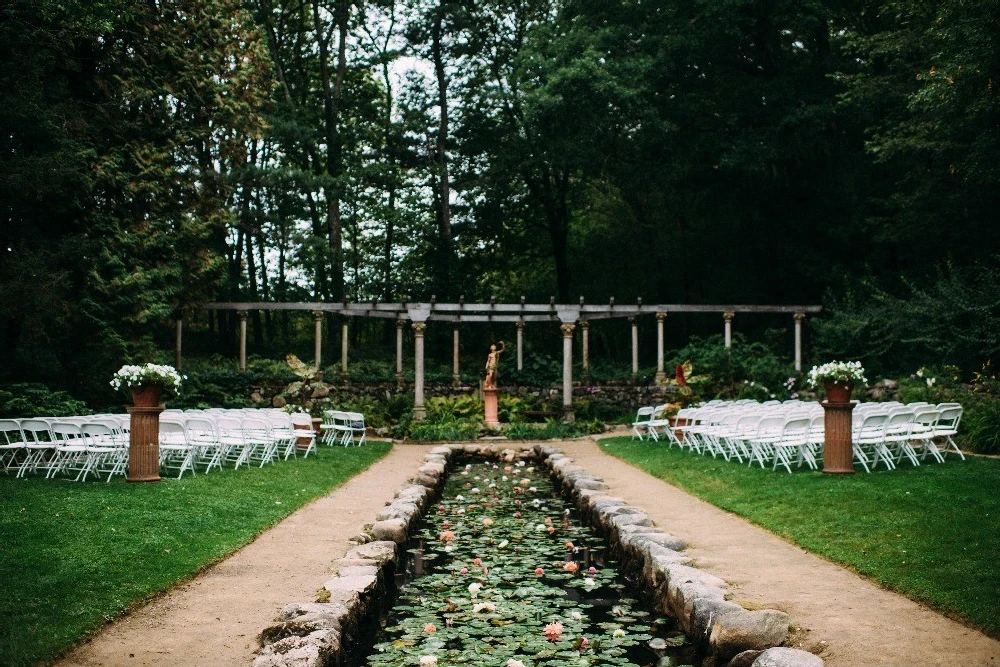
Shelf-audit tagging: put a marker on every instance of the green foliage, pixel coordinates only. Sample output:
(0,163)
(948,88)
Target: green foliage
(37,400)
(746,370)
(908,545)
(953,319)
(111,546)
(553,429)
(217,382)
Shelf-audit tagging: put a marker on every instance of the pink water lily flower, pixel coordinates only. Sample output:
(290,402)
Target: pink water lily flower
(553,631)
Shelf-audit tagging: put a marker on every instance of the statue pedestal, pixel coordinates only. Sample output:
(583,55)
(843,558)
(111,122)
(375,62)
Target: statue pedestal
(490,405)
(144,444)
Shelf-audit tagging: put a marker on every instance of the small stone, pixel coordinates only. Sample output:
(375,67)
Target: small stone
(279,401)
(381,552)
(787,657)
(744,659)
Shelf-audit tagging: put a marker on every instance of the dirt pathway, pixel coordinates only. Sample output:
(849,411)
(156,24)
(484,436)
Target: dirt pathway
(849,621)
(214,618)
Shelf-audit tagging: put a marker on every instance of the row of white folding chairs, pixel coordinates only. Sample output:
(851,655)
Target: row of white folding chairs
(341,426)
(212,438)
(773,432)
(891,432)
(85,445)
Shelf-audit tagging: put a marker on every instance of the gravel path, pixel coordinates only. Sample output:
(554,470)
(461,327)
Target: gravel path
(214,618)
(847,620)
(850,622)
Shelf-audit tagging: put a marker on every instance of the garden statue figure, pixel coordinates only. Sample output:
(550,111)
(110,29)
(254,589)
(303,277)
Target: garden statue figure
(492,365)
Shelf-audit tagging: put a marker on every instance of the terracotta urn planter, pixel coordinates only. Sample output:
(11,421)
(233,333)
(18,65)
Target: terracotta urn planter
(147,395)
(838,392)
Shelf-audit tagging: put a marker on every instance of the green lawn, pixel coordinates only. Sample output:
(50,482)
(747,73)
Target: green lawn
(76,555)
(931,533)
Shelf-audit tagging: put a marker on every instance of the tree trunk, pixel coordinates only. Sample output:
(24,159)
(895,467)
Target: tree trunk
(441,156)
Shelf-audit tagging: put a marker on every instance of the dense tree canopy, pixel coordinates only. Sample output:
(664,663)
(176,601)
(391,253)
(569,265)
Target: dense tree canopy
(155,155)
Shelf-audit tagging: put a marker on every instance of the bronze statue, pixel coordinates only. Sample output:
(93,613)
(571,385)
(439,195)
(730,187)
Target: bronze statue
(492,365)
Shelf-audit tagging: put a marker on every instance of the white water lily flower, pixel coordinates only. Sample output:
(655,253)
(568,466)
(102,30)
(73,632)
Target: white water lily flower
(460,498)
(577,616)
(483,606)
(474,588)
(515,663)
(540,526)
(589,582)
(428,660)
(532,489)
(502,544)
(531,469)
(618,633)
(474,489)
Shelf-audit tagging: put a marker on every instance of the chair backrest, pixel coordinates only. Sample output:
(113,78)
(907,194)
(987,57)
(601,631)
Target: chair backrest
(796,426)
(301,419)
(871,426)
(98,434)
(201,428)
(173,432)
(66,431)
(11,430)
(36,430)
(927,416)
(950,417)
(770,424)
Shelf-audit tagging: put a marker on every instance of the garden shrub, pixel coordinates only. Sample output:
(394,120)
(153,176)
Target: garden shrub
(29,399)
(746,370)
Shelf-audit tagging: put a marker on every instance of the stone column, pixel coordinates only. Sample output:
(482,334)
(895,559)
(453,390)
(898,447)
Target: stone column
(419,412)
(318,352)
(838,449)
(798,340)
(343,350)
(661,374)
(520,345)
(728,319)
(177,341)
(635,347)
(399,351)
(242,314)
(144,443)
(567,332)
(456,377)
(585,343)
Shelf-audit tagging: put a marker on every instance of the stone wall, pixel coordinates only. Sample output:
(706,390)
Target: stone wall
(324,632)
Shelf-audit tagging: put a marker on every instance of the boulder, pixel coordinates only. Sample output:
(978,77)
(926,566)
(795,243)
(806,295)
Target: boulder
(787,657)
(741,630)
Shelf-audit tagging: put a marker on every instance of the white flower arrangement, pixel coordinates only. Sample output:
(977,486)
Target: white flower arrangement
(839,372)
(129,376)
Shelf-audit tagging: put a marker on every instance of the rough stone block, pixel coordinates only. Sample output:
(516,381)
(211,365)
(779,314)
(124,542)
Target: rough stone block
(362,584)
(316,649)
(787,657)
(390,529)
(381,552)
(704,611)
(741,630)
(398,509)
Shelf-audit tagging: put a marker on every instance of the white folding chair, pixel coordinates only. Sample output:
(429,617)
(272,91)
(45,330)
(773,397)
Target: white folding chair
(794,439)
(922,436)
(70,449)
(12,445)
(202,435)
(176,450)
(947,427)
(39,445)
(867,437)
(302,423)
(898,434)
(355,427)
(283,432)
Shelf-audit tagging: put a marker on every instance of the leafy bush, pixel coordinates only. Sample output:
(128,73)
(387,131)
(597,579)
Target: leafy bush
(217,382)
(553,429)
(746,370)
(459,430)
(29,399)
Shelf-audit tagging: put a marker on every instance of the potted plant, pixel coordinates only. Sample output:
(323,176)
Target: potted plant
(147,383)
(839,378)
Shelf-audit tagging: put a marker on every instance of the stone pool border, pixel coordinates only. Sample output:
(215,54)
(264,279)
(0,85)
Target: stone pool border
(318,633)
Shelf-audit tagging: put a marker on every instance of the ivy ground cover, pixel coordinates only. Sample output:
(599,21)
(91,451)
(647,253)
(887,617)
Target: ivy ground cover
(928,532)
(76,555)
(508,576)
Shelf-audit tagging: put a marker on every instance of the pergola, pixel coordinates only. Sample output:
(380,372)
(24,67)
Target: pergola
(568,316)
